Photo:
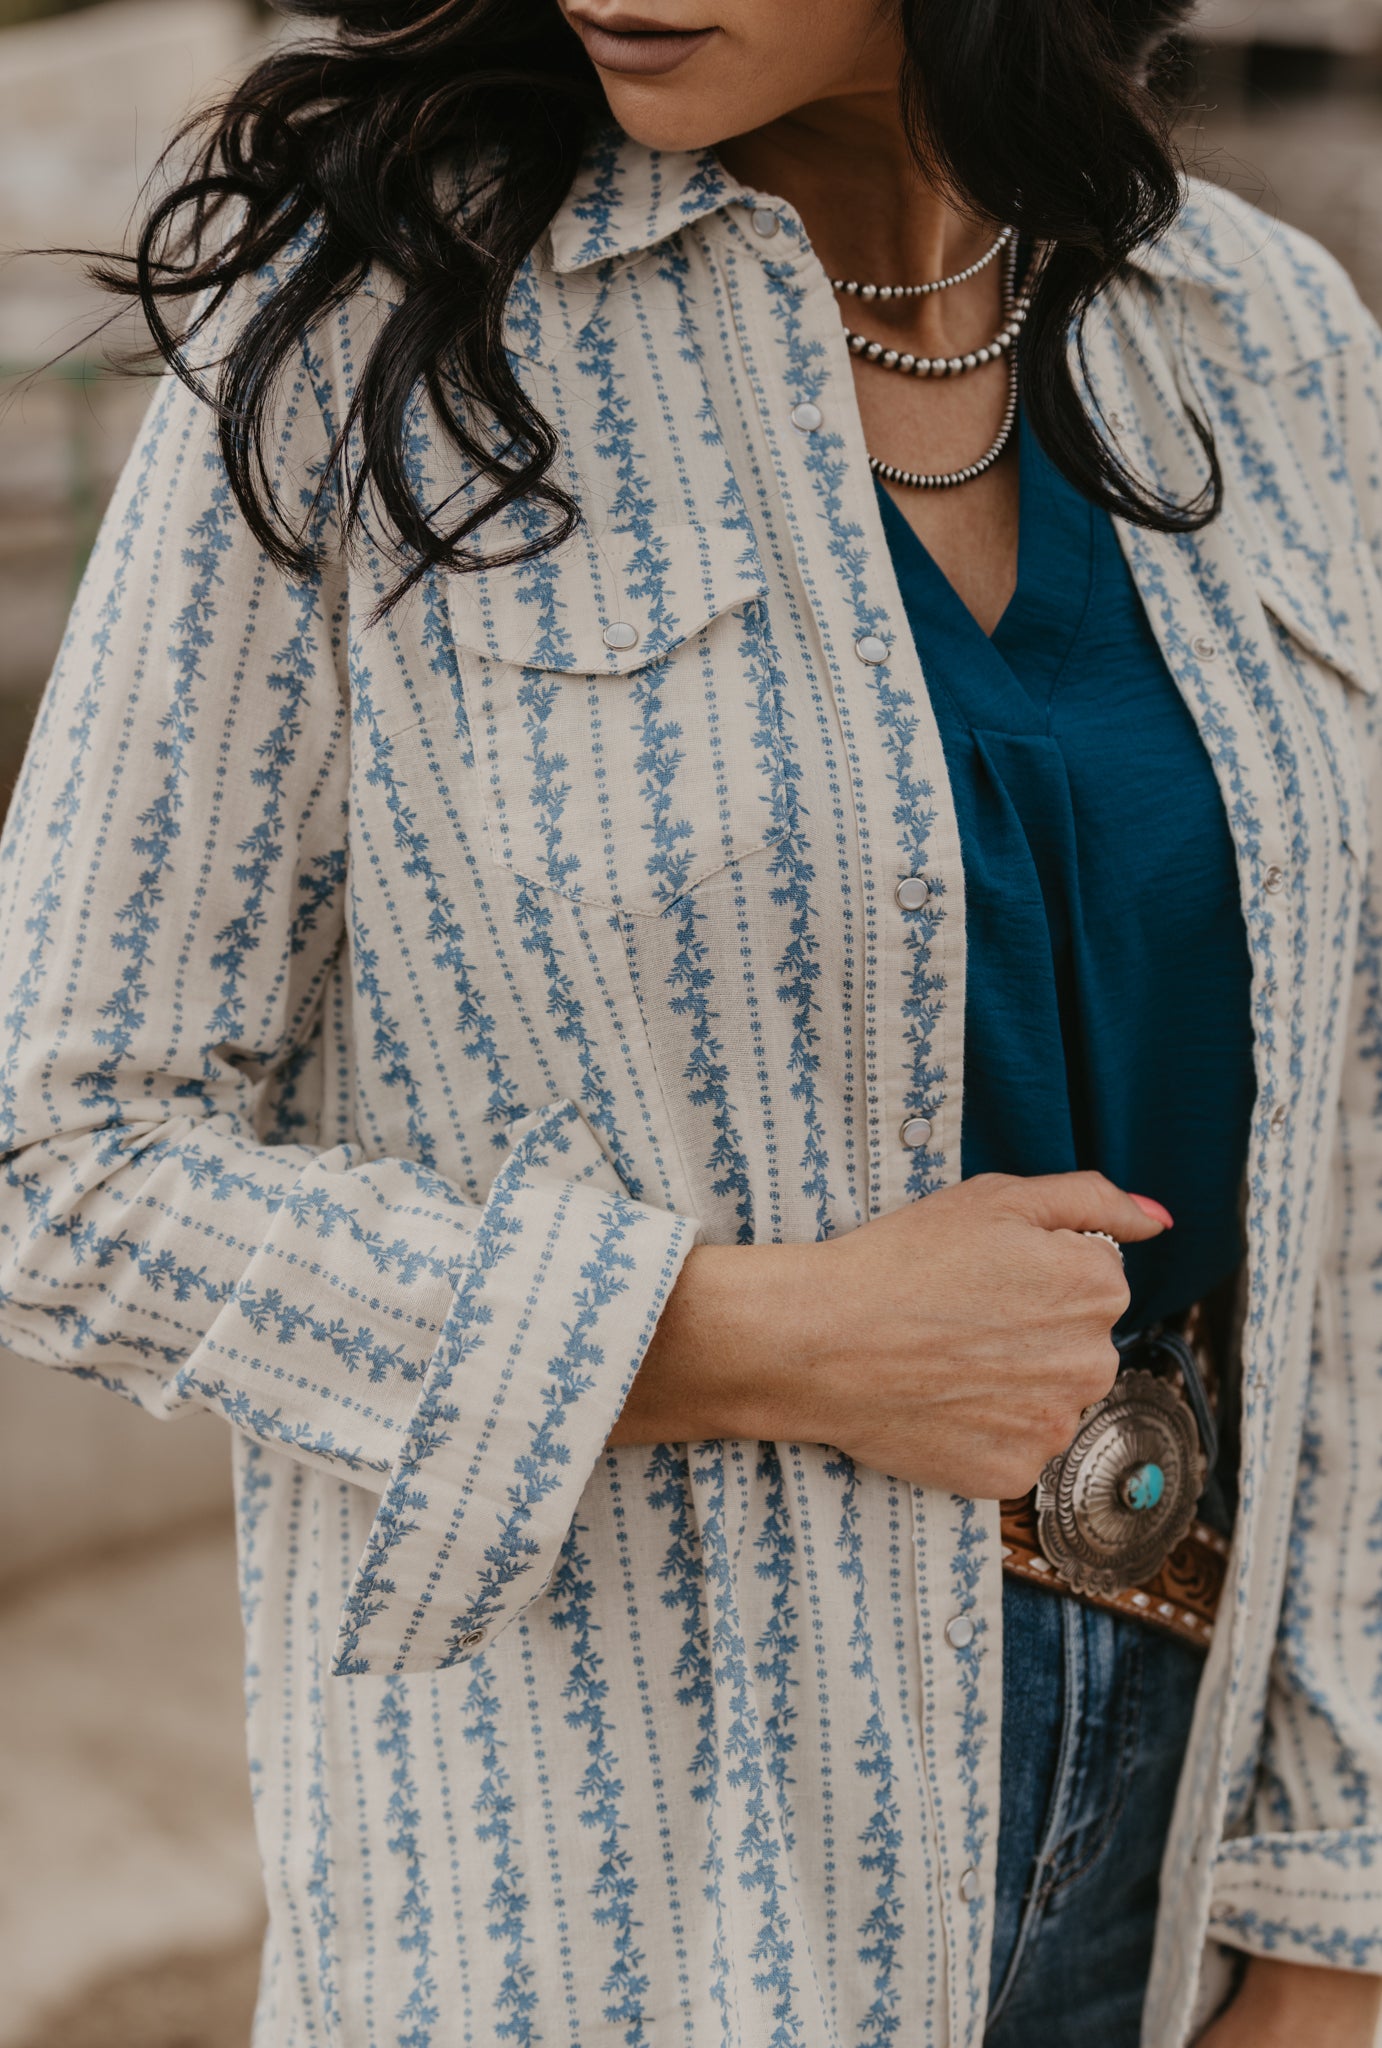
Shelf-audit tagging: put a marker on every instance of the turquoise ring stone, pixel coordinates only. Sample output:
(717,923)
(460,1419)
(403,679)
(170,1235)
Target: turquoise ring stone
(1143,1487)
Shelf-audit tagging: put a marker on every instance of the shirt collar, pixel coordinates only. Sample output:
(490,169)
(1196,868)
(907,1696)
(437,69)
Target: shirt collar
(626,198)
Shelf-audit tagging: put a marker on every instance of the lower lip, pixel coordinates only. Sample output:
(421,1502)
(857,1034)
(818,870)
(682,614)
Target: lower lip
(641,56)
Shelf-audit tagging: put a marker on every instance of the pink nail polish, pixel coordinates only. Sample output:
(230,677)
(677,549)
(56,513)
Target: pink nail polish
(1155,1211)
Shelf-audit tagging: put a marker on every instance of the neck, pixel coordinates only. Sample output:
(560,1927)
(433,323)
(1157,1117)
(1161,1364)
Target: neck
(871,212)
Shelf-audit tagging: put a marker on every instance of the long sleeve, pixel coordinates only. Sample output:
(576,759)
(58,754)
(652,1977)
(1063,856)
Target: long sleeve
(172,892)
(1304,1881)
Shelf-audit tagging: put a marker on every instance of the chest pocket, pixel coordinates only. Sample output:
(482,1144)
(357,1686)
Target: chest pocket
(624,705)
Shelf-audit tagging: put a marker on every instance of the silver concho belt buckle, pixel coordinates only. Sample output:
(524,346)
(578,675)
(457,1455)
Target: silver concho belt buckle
(1113,1506)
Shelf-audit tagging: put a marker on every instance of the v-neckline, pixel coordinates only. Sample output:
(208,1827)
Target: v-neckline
(1033,638)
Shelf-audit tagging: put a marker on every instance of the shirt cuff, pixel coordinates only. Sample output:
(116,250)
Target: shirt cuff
(566,1280)
(1306,1898)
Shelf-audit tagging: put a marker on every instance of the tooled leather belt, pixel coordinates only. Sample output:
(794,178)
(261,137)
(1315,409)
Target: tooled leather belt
(1113,1520)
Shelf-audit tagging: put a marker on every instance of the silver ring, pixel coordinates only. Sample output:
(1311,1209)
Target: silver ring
(1107,1239)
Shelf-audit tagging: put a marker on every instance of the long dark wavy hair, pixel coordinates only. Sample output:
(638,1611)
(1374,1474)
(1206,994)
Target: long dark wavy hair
(439,137)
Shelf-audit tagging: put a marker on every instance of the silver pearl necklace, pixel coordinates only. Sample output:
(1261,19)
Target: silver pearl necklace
(941,366)
(1015,308)
(950,479)
(854,290)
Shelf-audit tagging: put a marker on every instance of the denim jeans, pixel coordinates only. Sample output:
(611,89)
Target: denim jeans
(1096,1713)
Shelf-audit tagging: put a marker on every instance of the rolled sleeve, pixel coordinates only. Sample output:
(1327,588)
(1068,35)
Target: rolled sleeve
(1303,1898)
(564,1284)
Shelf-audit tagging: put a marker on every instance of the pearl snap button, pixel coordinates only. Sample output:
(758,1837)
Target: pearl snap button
(765,221)
(472,1639)
(806,416)
(1273,880)
(912,892)
(915,1132)
(969,1885)
(620,634)
(1276,1122)
(1204,646)
(870,648)
(959,1632)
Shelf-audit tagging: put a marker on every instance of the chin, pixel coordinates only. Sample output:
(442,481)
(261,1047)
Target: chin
(670,121)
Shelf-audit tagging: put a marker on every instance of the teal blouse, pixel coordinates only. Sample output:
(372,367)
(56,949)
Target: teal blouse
(1107,1018)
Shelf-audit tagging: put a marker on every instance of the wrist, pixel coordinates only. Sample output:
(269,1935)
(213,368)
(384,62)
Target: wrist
(727,1356)
(755,1305)
(781,1325)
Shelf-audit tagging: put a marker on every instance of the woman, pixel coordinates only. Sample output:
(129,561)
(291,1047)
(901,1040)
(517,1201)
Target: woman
(643,858)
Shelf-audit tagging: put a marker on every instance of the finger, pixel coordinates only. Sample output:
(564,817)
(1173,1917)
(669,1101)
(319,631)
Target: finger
(1088,1201)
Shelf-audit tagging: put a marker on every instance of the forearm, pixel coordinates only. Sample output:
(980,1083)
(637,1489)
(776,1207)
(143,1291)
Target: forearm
(726,1358)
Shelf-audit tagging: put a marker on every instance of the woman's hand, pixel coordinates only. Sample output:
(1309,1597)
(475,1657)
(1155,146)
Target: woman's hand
(959,1340)
(1287,2005)
(954,1343)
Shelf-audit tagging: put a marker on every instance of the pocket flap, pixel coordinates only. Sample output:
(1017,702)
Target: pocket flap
(609,601)
(1332,605)
(623,774)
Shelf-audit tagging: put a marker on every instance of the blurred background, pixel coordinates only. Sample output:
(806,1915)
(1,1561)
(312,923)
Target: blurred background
(130,1908)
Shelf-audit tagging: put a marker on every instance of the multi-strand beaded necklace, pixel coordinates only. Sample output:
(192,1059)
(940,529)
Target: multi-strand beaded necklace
(1015,306)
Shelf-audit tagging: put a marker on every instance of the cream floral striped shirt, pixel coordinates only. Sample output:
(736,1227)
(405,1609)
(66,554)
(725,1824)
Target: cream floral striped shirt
(387,1008)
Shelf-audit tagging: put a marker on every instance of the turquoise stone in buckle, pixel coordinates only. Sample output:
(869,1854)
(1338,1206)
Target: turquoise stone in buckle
(1143,1487)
